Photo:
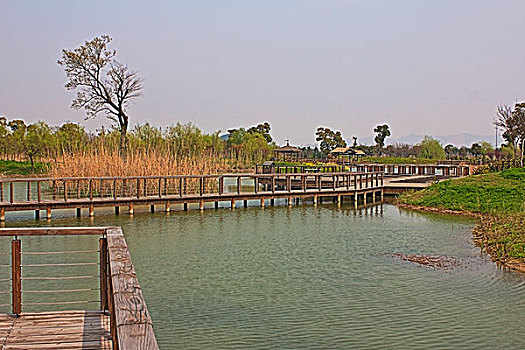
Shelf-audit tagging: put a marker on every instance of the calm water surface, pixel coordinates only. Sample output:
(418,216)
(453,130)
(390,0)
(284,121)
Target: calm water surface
(314,277)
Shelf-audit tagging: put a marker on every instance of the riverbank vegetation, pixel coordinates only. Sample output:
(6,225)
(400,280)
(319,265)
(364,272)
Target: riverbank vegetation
(498,199)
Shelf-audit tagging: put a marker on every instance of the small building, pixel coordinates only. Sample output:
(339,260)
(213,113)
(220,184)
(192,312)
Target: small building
(288,153)
(342,154)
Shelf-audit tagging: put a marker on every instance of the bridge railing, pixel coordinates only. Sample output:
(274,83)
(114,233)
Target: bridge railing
(59,280)
(453,170)
(75,189)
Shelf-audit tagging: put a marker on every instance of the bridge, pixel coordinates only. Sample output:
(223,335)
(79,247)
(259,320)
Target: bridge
(88,193)
(55,279)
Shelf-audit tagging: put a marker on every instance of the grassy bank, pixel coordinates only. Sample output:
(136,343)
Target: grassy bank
(15,168)
(498,199)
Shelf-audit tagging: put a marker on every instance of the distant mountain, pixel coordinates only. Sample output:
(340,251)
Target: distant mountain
(463,139)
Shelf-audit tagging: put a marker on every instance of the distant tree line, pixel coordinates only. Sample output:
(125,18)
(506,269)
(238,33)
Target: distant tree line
(37,141)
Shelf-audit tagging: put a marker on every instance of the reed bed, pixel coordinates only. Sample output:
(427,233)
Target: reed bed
(138,163)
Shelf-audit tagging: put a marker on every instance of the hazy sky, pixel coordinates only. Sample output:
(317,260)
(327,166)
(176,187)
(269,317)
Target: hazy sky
(427,67)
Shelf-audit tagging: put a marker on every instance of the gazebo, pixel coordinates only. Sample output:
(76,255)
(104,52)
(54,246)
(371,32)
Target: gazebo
(288,153)
(341,152)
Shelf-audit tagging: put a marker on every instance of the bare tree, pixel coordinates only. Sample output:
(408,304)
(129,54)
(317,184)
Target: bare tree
(512,121)
(104,84)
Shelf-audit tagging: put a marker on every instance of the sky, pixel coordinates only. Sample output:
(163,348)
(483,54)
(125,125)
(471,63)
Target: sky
(431,67)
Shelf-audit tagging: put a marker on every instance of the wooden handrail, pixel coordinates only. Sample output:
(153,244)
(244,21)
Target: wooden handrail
(131,321)
(53,231)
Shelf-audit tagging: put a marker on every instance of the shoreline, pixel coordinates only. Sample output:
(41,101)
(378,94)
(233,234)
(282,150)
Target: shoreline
(485,223)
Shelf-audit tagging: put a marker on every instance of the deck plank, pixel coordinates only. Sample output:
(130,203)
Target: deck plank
(59,330)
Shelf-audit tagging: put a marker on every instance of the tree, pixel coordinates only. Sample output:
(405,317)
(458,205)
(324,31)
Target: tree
(451,150)
(512,121)
(17,136)
(263,129)
(475,149)
(104,84)
(37,141)
(431,148)
(329,139)
(71,137)
(382,133)
(354,141)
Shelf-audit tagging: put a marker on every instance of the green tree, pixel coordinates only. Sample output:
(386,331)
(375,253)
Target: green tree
(262,129)
(486,148)
(4,136)
(383,132)
(149,137)
(104,84)
(17,137)
(37,141)
(475,149)
(431,148)
(329,139)
(451,150)
(71,138)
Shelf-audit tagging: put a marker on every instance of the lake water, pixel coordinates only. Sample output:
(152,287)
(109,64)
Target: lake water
(309,276)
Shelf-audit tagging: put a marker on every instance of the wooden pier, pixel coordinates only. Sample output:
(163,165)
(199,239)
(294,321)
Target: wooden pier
(121,322)
(46,194)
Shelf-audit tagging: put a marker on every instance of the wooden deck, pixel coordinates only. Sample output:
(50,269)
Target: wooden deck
(56,330)
(123,321)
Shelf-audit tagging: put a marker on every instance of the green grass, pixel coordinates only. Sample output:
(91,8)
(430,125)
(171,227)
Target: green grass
(499,196)
(396,160)
(12,167)
(493,193)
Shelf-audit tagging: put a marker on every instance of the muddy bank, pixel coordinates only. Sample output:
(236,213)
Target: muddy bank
(486,234)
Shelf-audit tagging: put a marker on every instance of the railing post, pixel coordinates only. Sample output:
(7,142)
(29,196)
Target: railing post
(124,185)
(256,184)
(54,184)
(138,188)
(273,183)
(160,187)
(180,186)
(221,185)
(65,191)
(201,185)
(103,245)
(11,192)
(115,188)
(1,191)
(145,188)
(16,275)
(78,189)
(39,192)
(90,189)
(29,191)
(238,185)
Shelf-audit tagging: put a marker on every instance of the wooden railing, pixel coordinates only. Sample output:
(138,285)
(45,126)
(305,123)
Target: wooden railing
(118,288)
(74,189)
(387,169)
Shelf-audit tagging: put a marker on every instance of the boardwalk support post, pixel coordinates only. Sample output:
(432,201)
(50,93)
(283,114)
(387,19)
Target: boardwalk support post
(16,262)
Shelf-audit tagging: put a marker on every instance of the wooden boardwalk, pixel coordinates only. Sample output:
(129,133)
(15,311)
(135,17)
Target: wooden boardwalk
(56,330)
(123,321)
(60,193)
